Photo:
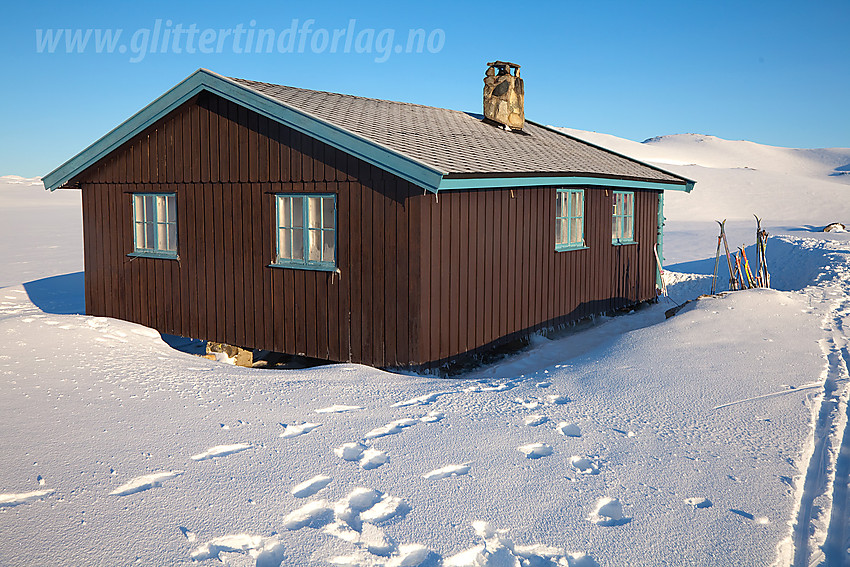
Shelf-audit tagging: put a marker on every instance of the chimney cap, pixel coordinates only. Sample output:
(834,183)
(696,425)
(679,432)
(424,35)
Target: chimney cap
(503,64)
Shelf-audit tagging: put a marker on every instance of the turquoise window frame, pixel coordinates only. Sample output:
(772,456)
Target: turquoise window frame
(623,218)
(569,216)
(307,233)
(156,248)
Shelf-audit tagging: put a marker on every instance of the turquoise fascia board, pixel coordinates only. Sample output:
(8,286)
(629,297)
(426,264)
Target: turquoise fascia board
(449,184)
(390,160)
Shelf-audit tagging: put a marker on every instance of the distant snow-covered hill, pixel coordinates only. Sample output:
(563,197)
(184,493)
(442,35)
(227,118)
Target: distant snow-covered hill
(736,178)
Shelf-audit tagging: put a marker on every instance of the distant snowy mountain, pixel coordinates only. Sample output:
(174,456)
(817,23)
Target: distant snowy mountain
(738,178)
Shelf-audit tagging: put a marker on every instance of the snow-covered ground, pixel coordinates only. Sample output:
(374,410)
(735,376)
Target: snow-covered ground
(711,438)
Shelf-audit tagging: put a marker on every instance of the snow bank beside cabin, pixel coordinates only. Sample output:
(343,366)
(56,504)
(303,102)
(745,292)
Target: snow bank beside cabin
(713,404)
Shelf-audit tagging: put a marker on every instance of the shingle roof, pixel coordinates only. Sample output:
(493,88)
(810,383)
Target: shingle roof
(459,143)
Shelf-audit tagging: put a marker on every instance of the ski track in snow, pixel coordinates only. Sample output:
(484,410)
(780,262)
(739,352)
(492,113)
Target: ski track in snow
(820,534)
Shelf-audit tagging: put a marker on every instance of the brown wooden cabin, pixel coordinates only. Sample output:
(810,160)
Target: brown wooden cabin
(435,233)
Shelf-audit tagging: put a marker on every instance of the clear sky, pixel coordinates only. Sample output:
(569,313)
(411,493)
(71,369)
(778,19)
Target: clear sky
(771,72)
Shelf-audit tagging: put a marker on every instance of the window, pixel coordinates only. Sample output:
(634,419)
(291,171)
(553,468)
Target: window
(306,231)
(569,219)
(623,218)
(155,224)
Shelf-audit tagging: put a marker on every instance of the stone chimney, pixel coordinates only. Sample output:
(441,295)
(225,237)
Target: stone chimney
(504,95)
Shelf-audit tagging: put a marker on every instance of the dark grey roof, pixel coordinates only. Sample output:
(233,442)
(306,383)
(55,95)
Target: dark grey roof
(459,143)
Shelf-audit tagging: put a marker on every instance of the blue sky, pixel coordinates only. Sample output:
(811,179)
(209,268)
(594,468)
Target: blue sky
(770,72)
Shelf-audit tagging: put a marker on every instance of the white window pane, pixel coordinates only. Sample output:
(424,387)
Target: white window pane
(315,252)
(161,212)
(297,211)
(149,235)
(559,204)
(172,237)
(328,245)
(283,211)
(284,239)
(575,231)
(630,204)
(149,208)
(140,235)
(328,212)
(297,236)
(560,231)
(161,235)
(628,228)
(171,205)
(575,204)
(314,212)
(139,208)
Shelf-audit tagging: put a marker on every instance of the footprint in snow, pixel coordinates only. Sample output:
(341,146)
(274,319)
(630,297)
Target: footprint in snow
(368,458)
(144,482)
(569,429)
(498,549)
(344,518)
(535,450)
(338,408)
(528,404)
(310,487)
(350,451)
(585,465)
(448,471)
(391,428)
(10,500)
(697,502)
(535,420)
(609,512)
(373,458)
(290,431)
(263,550)
(423,400)
(557,399)
(220,451)
(432,417)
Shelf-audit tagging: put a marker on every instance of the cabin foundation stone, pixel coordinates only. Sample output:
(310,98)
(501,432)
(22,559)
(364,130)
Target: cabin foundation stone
(243,357)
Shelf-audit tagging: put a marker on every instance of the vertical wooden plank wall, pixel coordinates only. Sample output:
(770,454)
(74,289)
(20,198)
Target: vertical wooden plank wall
(225,164)
(517,282)
(421,279)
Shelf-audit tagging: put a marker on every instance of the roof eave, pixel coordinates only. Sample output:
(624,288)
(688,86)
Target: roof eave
(404,166)
(466,183)
(689,182)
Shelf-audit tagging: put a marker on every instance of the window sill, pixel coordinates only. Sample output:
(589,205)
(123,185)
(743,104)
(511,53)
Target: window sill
(566,248)
(157,255)
(623,242)
(308,267)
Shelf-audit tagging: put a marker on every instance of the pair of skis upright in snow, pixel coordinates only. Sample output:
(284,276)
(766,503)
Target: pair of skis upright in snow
(741,275)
